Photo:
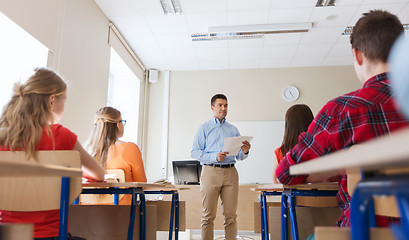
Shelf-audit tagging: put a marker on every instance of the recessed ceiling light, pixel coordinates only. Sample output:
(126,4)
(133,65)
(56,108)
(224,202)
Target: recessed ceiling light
(331,17)
(326,3)
(171,7)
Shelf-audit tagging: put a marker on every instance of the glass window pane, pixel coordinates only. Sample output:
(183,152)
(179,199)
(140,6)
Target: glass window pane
(123,94)
(20,54)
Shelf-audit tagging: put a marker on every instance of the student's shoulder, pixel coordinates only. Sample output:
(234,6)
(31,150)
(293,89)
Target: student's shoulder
(59,129)
(344,102)
(130,145)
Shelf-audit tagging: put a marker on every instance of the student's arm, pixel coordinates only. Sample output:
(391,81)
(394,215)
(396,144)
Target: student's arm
(134,158)
(90,167)
(275,180)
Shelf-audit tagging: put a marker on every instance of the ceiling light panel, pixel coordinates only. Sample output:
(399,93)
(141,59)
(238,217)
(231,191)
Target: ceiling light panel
(171,7)
(263,28)
(326,3)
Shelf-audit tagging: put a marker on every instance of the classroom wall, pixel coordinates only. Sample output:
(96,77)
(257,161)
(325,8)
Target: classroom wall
(76,32)
(254,95)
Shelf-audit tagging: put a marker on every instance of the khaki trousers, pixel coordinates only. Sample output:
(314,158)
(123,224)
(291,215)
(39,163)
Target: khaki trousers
(215,182)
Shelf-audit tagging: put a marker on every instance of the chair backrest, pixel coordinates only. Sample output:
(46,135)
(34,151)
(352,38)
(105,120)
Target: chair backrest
(38,193)
(117,175)
(384,205)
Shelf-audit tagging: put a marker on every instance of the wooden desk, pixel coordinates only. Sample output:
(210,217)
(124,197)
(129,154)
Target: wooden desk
(385,152)
(137,188)
(373,156)
(288,194)
(308,186)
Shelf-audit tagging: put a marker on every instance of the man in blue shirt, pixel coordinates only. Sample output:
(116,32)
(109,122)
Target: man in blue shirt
(219,177)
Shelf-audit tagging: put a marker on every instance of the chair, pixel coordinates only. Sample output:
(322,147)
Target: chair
(383,205)
(116,175)
(25,192)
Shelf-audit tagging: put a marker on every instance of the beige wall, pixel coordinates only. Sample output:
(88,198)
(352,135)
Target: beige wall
(76,31)
(254,95)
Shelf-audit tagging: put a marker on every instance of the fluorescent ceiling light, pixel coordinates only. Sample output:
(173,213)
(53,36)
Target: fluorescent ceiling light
(171,7)
(326,3)
(348,30)
(214,36)
(250,31)
(262,28)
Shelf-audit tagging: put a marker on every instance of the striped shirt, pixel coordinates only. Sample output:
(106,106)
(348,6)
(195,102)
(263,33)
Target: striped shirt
(344,121)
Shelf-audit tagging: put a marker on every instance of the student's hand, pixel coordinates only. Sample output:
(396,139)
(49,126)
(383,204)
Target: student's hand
(221,156)
(246,147)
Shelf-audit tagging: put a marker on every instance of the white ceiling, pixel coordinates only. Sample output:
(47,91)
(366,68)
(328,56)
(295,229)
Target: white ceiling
(164,41)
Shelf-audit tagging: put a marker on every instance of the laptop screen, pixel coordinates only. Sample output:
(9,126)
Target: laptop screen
(186,172)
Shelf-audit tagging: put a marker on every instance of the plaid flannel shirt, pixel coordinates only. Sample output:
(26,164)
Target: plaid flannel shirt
(344,121)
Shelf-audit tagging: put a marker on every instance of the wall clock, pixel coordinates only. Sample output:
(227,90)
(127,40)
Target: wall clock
(291,93)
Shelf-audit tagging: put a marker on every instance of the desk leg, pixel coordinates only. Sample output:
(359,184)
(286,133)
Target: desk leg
(116,198)
(176,215)
(132,215)
(261,217)
(293,217)
(142,216)
(359,214)
(172,216)
(371,212)
(264,217)
(64,202)
(284,226)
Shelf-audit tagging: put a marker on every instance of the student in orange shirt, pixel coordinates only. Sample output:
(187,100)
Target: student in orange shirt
(112,153)
(297,119)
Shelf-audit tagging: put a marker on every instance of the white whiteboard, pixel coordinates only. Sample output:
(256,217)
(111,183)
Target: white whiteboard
(267,136)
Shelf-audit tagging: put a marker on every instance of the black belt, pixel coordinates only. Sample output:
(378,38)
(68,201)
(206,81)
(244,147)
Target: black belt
(221,165)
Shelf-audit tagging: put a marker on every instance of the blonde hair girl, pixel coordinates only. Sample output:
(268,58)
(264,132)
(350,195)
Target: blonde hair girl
(29,110)
(108,127)
(34,108)
(112,153)
(29,123)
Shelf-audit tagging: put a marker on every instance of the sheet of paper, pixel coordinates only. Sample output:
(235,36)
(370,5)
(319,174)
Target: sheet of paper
(233,144)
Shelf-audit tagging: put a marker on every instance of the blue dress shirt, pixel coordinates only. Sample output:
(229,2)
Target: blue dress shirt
(209,140)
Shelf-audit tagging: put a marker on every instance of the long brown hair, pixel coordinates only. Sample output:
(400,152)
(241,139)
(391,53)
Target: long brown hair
(297,120)
(104,134)
(28,111)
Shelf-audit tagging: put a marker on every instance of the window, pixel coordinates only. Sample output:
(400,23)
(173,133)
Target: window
(20,54)
(123,94)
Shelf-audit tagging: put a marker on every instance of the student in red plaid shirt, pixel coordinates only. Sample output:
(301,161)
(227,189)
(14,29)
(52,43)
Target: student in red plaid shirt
(358,116)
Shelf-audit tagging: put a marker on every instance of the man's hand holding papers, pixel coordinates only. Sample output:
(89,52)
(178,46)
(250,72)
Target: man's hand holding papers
(232,145)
